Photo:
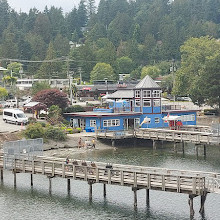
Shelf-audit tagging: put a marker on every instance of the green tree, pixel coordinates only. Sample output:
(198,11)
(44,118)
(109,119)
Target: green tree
(38,86)
(106,52)
(102,71)
(3,92)
(124,65)
(50,67)
(199,76)
(42,27)
(152,71)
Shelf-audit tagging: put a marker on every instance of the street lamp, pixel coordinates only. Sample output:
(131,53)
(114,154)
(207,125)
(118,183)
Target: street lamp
(106,83)
(173,70)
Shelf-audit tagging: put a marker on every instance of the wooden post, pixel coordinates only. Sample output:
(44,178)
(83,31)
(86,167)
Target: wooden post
(197,150)
(31,179)
(190,201)
(14,178)
(113,143)
(135,196)
(104,190)
(14,173)
(50,184)
(204,151)
(147,197)
(175,147)
(203,198)
(68,185)
(183,147)
(135,142)
(90,190)
(1,174)
(154,145)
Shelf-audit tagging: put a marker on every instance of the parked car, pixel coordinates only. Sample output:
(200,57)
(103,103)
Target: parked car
(15,116)
(186,98)
(2,104)
(11,103)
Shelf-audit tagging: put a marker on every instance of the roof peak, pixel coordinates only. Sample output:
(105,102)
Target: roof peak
(147,82)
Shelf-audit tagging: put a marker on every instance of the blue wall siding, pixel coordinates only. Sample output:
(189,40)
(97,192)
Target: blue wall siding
(147,109)
(157,109)
(152,123)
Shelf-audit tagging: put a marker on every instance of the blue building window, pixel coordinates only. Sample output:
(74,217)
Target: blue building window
(156,93)
(92,123)
(156,102)
(137,94)
(157,120)
(137,103)
(146,102)
(111,123)
(146,94)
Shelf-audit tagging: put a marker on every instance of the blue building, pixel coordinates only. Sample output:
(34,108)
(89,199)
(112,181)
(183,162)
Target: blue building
(140,108)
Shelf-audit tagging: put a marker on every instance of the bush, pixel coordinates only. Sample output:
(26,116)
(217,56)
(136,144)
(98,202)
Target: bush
(75,108)
(32,120)
(34,131)
(54,133)
(69,131)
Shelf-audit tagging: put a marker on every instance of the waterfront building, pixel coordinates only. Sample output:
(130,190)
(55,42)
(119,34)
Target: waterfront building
(138,107)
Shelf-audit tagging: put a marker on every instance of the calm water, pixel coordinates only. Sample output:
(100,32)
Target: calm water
(25,202)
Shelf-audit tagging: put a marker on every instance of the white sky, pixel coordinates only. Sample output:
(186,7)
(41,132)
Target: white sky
(25,5)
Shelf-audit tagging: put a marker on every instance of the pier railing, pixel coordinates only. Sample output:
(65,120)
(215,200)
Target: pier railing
(180,181)
(178,135)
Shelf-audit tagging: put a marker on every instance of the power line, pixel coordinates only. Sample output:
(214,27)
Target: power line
(61,59)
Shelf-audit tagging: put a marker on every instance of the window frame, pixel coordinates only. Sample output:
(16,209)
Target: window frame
(92,124)
(137,93)
(146,93)
(111,123)
(146,101)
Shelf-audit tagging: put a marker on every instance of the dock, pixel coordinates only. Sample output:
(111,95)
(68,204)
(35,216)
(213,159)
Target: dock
(197,135)
(193,183)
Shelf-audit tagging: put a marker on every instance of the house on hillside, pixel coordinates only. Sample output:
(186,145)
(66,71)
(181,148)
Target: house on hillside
(138,107)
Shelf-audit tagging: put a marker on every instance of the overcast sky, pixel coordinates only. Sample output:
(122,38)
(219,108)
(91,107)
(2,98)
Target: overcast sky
(25,5)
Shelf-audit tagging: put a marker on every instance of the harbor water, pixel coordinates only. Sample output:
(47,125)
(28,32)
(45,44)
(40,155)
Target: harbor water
(24,202)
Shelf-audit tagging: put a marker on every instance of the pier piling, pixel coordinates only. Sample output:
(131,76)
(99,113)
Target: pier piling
(204,147)
(68,185)
(190,201)
(154,145)
(90,190)
(147,197)
(183,147)
(14,178)
(104,190)
(50,184)
(1,174)
(134,189)
(31,179)
(203,198)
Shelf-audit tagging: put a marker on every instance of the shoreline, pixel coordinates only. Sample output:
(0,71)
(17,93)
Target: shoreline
(70,146)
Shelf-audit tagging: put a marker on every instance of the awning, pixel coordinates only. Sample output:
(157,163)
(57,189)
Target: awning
(172,118)
(2,69)
(86,88)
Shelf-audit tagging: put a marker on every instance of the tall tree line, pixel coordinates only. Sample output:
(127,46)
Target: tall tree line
(117,32)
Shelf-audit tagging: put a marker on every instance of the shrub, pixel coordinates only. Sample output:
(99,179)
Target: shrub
(34,131)
(55,133)
(69,131)
(79,129)
(75,108)
(32,120)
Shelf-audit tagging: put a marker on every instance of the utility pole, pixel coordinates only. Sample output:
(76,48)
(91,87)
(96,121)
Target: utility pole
(173,70)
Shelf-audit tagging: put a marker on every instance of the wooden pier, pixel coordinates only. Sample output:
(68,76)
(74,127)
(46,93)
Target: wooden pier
(177,136)
(137,177)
